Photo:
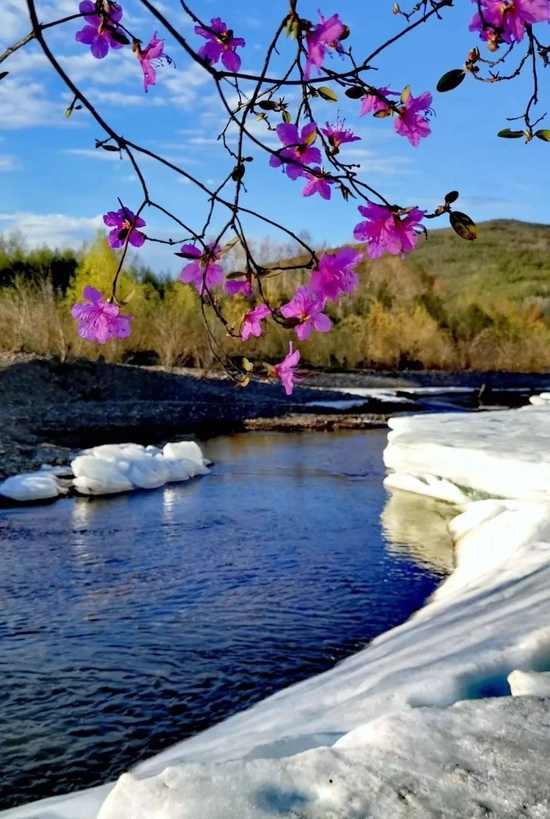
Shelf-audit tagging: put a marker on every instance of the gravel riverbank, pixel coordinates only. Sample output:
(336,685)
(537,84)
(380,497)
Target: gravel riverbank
(50,409)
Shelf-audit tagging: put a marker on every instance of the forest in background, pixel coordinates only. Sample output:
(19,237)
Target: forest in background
(450,305)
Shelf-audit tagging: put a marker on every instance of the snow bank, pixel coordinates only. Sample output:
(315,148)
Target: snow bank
(368,773)
(110,469)
(529,684)
(502,454)
(380,735)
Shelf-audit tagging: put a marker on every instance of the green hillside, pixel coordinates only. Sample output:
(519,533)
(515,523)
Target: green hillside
(510,260)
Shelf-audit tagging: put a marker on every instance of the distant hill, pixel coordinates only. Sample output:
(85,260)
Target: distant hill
(510,260)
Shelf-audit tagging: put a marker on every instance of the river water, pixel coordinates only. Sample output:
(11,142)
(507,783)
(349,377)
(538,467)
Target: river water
(130,623)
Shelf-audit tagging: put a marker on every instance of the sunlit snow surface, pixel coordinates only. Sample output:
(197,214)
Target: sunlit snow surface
(500,454)
(421,723)
(110,469)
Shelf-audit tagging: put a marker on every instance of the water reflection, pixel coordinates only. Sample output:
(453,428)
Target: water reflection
(418,527)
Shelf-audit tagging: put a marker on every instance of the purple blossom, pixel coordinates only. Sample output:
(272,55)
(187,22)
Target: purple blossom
(99,320)
(221,44)
(411,121)
(251,322)
(318,182)
(235,286)
(335,275)
(286,370)
(325,35)
(338,135)
(307,307)
(298,147)
(98,33)
(504,21)
(123,221)
(372,102)
(150,58)
(203,272)
(385,230)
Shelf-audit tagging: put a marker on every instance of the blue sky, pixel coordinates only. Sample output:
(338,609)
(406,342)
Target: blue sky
(54,185)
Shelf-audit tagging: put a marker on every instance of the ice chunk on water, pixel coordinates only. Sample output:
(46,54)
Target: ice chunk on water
(184,449)
(32,486)
(113,468)
(148,473)
(95,476)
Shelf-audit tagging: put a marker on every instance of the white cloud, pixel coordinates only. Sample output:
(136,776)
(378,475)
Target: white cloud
(183,86)
(25,104)
(111,156)
(94,153)
(54,229)
(119,99)
(9,162)
(15,16)
(252,22)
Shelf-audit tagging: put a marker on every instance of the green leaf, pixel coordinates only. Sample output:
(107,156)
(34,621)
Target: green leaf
(355,92)
(4,74)
(506,133)
(118,36)
(405,94)
(463,225)
(247,365)
(383,113)
(267,105)
(231,244)
(451,80)
(292,27)
(345,34)
(544,134)
(451,197)
(187,255)
(238,172)
(287,117)
(327,94)
(127,299)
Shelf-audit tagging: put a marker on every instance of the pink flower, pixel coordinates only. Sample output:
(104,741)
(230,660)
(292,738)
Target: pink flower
(251,322)
(338,135)
(221,44)
(123,221)
(203,272)
(411,122)
(286,370)
(504,21)
(318,182)
(335,275)
(373,102)
(99,320)
(98,34)
(325,35)
(386,230)
(297,147)
(235,286)
(151,56)
(307,307)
